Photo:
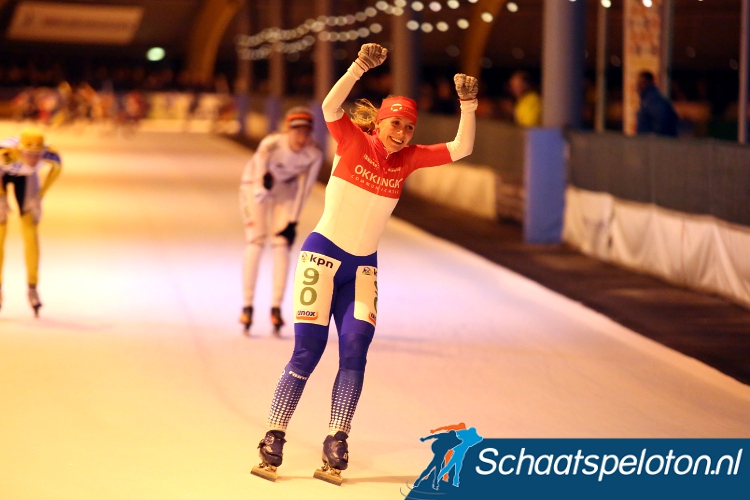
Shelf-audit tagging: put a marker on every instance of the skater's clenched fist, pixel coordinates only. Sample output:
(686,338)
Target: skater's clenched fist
(466,86)
(372,54)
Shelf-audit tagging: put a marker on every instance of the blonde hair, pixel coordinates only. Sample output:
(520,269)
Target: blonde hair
(364,115)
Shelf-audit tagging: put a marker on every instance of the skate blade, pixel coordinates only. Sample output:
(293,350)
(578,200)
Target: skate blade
(329,477)
(266,472)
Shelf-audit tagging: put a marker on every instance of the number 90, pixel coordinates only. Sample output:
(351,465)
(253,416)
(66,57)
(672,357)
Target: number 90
(311,278)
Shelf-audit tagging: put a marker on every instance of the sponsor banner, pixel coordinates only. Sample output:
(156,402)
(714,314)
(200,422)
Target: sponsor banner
(469,466)
(74,23)
(366,294)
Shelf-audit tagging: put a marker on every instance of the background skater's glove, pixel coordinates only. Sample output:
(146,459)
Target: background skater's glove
(289,232)
(466,86)
(9,155)
(372,55)
(260,194)
(268,181)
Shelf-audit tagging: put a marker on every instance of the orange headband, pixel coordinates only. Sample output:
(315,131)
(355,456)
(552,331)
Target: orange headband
(299,120)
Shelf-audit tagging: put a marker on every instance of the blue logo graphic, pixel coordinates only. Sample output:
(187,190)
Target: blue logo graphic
(449,447)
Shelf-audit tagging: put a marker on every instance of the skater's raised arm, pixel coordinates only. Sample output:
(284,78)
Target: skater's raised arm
(370,56)
(467,88)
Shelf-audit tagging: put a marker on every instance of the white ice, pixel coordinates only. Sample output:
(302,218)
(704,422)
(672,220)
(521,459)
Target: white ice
(137,383)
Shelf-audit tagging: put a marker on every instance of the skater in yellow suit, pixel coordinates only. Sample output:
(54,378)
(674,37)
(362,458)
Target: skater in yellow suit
(22,159)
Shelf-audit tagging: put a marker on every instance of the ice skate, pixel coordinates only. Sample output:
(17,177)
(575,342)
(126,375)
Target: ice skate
(335,459)
(246,318)
(271,454)
(1,298)
(34,301)
(276,320)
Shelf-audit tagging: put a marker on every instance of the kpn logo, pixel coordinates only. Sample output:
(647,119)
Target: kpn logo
(442,475)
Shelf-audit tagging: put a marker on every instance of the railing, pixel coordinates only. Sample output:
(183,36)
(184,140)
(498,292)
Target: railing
(695,176)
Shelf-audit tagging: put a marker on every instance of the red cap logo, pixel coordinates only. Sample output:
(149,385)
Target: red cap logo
(398,106)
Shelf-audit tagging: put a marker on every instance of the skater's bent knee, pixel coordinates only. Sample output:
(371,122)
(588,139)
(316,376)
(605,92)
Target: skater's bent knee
(307,352)
(353,350)
(255,238)
(279,241)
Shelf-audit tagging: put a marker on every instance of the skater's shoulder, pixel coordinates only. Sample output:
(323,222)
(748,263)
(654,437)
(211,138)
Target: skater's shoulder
(9,142)
(51,154)
(313,148)
(271,142)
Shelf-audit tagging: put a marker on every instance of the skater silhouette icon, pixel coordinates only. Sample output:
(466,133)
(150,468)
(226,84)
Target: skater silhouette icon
(450,444)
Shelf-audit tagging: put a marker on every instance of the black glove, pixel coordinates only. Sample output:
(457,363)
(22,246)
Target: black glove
(289,232)
(268,181)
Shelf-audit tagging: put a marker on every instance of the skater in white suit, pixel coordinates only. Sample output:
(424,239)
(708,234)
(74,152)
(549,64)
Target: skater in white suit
(275,185)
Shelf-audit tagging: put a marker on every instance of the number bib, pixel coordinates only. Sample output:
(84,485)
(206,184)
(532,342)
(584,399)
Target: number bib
(313,288)
(366,294)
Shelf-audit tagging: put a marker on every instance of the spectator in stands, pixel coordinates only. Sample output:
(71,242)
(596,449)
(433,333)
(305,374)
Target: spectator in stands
(656,114)
(528,109)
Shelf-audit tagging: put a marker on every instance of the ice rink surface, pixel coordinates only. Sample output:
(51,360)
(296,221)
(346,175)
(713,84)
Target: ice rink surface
(137,383)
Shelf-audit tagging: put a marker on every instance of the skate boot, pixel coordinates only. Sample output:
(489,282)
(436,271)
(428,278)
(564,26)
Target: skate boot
(276,320)
(34,301)
(246,318)
(335,459)
(271,454)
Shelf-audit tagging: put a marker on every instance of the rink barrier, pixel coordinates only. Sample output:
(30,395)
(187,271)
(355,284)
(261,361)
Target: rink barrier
(696,176)
(678,209)
(513,173)
(675,209)
(489,183)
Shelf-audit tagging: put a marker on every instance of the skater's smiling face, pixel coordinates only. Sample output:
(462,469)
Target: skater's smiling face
(395,132)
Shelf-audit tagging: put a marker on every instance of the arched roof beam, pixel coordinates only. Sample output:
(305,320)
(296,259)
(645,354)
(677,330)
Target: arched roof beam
(477,36)
(205,36)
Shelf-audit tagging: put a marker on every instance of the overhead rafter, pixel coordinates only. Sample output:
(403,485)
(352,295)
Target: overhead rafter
(205,36)
(478,34)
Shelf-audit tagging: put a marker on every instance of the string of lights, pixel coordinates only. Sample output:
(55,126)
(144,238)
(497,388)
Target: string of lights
(322,28)
(304,36)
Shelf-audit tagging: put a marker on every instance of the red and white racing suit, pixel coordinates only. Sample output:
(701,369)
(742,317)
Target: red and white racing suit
(336,274)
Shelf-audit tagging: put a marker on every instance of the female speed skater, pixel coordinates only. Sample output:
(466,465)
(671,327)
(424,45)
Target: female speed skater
(275,184)
(21,159)
(336,273)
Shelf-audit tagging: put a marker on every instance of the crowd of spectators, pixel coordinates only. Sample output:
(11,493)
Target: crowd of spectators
(516,98)
(119,96)
(119,93)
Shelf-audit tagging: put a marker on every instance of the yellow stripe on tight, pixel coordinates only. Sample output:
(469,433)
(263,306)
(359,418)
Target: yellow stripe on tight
(30,247)
(54,172)
(3,230)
